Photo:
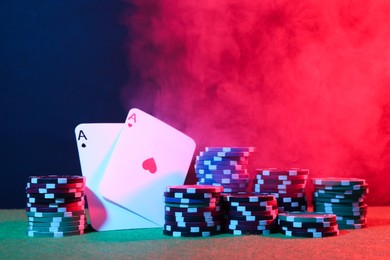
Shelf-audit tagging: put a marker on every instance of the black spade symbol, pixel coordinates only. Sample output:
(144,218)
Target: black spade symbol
(83,145)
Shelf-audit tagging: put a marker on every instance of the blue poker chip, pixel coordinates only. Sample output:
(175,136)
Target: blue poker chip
(221,159)
(230,149)
(220,167)
(224,180)
(225,172)
(226,154)
(220,163)
(216,176)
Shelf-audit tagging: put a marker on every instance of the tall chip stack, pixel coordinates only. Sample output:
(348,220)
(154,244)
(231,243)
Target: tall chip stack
(55,206)
(288,186)
(224,166)
(249,214)
(192,210)
(344,197)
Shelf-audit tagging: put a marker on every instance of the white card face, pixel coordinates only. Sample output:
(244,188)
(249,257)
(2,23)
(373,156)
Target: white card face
(95,143)
(149,155)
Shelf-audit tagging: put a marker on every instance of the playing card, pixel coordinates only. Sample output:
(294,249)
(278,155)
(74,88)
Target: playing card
(149,155)
(95,143)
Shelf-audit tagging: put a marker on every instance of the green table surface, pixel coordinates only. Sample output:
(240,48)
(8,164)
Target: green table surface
(369,243)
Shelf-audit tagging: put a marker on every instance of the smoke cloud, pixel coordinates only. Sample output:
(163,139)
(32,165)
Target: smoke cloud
(306,82)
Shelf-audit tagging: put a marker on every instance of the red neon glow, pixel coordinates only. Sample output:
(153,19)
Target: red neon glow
(307,82)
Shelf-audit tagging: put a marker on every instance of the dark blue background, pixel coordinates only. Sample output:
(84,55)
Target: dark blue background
(61,63)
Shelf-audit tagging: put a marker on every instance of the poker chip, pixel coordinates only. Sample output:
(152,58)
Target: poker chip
(224,166)
(191,214)
(55,206)
(56,191)
(189,224)
(55,195)
(190,196)
(231,149)
(190,234)
(311,217)
(318,234)
(55,185)
(193,210)
(288,172)
(55,214)
(215,228)
(195,189)
(190,201)
(287,185)
(297,224)
(240,232)
(221,172)
(59,224)
(334,181)
(54,201)
(56,219)
(32,233)
(225,154)
(192,219)
(58,229)
(57,179)
(344,197)
(220,167)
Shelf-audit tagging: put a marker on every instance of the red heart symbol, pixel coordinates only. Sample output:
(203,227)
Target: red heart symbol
(150,165)
(130,125)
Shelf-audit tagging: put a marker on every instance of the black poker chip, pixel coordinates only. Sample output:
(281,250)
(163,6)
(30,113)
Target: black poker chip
(190,234)
(191,219)
(249,197)
(240,232)
(193,224)
(252,218)
(310,234)
(297,224)
(191,195)
(57,179)
(56,195)
(216,228)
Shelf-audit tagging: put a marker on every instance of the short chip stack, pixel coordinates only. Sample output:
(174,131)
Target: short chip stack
(55,206)
(288,186)
(224,166)
(251,213)
(308,224)
(192,210)
(343,197)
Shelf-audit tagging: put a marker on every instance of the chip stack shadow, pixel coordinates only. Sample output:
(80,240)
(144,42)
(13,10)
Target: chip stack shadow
(55,206)
(288,186)
(344,197)
(224,166)
(192,210)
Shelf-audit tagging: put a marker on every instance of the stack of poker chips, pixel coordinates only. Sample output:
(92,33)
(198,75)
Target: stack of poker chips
(288,186)
(224,166)
(55,206)
(308,224)
(192,210)
(251,213)
(343,197)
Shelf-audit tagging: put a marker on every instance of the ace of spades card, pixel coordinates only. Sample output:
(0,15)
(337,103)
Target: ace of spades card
(148,156)
(95,143)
